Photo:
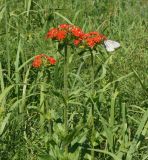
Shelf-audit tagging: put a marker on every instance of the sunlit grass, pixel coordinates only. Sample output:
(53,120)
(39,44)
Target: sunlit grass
(31,108)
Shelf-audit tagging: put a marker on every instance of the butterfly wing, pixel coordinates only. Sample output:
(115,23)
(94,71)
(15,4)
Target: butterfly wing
(111,45)
(115,44)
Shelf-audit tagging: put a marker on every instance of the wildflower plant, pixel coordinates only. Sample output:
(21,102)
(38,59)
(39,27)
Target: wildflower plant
(68,37)
(43,63)
(75,100)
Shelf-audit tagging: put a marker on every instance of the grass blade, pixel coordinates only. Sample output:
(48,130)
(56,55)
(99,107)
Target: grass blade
(136,139)
(66,19)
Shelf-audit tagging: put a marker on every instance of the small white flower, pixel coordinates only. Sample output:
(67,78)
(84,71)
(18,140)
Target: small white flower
(111,45)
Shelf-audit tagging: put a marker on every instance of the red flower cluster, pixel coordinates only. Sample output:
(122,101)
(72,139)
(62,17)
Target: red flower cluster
(39,59)
(76,35)
(64,31)
(93,38)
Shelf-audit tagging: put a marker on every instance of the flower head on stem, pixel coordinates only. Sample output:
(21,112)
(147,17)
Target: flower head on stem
(42,59)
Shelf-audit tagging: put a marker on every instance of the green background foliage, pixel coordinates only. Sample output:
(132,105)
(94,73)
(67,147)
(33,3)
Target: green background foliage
(32,103)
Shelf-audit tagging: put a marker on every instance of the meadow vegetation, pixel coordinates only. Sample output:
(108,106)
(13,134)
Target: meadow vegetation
(106,116)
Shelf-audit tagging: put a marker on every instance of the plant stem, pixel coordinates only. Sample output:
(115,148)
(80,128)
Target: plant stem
(7,39)
(42,100)
(66,70)
(92,109)
(92,72)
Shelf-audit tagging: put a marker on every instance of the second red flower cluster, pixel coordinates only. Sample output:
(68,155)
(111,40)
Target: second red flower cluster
(43,59)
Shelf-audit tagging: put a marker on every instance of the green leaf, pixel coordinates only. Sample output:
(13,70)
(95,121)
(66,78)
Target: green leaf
(46,157)
(2,13)
(60,15)
(136,139)
(5,92)
(3,123)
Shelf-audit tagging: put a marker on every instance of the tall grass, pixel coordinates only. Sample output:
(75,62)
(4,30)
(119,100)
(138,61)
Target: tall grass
(102,113)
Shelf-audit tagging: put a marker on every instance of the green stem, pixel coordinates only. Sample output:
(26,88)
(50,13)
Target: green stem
(42,100)
(7,39)
(92,109)
(92,72)
(66,66)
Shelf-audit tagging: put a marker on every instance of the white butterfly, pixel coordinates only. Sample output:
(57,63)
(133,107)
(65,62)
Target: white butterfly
(111,45)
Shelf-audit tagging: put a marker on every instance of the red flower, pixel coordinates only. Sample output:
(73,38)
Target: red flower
(37,61)
(64,26)
(103,37)
(86,35)
(97,39)
(76,42)
(56,34)
(52,33)
(93,38)
(51,60)
(61,35)
(90,42)
(77,32)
